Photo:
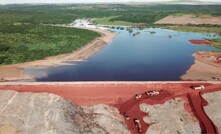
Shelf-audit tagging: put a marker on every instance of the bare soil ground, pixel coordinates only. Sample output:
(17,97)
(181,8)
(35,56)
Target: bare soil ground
(170,117)
(43,113)
(190,19)
(7,129)
(213,109)
(15,72)
(202,42)
(93,93)
(122,96)
(205,67)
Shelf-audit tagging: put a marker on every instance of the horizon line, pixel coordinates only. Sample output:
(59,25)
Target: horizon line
(171,2)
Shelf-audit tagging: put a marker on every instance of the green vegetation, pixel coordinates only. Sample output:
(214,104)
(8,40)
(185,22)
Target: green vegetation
(108,21)
(33,42)
(63,14)
(24,35)
(217,41)
(196,29)
(152,13)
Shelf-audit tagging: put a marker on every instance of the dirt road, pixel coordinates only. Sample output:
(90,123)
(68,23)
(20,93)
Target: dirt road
(122,96)
(197,102)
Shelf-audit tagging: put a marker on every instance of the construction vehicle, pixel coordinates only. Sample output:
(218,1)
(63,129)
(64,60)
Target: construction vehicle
(215,78)
(126,116)
(138,96)
(200,87)
(138,125)
(152,93)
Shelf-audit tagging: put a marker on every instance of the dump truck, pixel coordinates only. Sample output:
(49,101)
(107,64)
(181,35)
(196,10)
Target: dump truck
(138,96)
(138,125)
(200,87)
(152,93)
(126,116)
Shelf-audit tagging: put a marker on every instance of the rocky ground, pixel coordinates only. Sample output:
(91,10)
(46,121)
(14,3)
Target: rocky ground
(213,109)
(170,117)
(49,113)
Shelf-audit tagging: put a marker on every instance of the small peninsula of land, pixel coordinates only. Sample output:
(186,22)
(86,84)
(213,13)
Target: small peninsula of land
(207,65)
(16,72)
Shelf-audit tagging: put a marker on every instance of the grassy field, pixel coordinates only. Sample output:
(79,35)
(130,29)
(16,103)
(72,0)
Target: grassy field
(107,21)
(196,29)
(217,41)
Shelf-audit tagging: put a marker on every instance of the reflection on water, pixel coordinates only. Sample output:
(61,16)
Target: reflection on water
(134,55)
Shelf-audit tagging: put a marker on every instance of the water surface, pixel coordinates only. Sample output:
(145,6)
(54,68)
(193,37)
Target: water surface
(143,55)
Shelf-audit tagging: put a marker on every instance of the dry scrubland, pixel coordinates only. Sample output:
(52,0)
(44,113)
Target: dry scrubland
(190,19)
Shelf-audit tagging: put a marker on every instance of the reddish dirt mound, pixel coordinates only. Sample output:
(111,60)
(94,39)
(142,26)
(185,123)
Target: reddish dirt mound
(91,94)
(201,42)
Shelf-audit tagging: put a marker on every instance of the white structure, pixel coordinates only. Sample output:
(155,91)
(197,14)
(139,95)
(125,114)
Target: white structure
(153,93)
(138,96)
(200,87)
(86,22)
(81,22)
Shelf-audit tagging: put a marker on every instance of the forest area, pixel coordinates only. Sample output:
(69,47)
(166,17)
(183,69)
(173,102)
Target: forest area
(27,32)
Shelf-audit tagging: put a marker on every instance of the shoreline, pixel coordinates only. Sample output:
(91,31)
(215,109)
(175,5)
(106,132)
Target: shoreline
(16,71)
(204,68)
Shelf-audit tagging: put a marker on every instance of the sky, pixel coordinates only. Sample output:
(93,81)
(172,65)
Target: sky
(82,1)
